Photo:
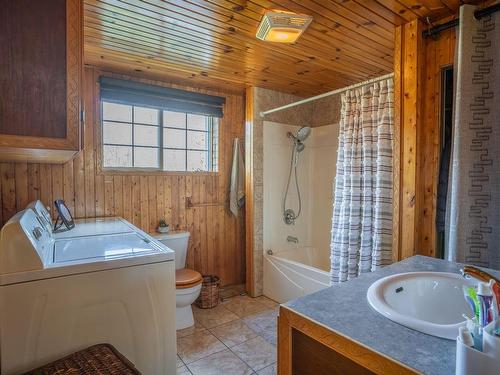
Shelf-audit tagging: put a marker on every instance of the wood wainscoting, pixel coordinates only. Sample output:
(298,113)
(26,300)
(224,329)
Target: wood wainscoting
(217,243)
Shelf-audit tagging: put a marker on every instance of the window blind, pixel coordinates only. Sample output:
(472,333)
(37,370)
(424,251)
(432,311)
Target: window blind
(141,94)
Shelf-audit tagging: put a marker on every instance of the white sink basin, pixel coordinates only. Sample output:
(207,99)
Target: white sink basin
(429,302)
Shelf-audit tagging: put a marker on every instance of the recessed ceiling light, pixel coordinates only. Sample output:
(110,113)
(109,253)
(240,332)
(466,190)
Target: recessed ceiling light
(282,27)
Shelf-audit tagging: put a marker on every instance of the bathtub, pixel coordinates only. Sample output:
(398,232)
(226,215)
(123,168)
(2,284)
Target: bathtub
(293,273)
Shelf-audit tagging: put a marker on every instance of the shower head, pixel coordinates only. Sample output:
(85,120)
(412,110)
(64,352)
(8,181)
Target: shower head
(303,133)
(300,146)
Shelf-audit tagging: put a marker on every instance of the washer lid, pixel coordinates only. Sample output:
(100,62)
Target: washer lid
(102,248)
(73,256)
(95,227)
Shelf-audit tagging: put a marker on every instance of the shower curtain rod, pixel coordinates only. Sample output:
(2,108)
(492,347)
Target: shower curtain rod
(329,93)
(433,32)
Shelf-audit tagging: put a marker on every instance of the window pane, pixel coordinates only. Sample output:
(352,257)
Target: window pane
(117,156)
(117,133)
(197,161)
(174,138)
(116,112)
(174,160)
(145,157)
(196,122)
(146,115)
(197,140)
(146,135)
(174,119)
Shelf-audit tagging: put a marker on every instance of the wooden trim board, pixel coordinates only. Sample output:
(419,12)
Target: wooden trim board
(372,361)
(249,201)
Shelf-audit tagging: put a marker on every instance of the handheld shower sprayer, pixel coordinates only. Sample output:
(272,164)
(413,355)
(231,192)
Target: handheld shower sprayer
(289,215)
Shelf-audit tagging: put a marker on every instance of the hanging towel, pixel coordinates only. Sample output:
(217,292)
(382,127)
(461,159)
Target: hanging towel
(237,192)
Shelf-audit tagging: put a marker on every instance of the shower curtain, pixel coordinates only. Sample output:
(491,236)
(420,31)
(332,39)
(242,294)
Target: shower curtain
(473,207)
(362,214)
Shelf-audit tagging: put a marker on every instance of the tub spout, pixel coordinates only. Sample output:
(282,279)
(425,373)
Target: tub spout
(292,239)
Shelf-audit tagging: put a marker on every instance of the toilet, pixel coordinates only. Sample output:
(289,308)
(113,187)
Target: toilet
(187,281)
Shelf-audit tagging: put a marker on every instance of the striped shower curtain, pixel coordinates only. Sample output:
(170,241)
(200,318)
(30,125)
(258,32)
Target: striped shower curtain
(473,207)
(362,214)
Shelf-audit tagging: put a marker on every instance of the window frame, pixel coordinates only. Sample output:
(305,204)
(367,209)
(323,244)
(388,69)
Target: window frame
(153,170)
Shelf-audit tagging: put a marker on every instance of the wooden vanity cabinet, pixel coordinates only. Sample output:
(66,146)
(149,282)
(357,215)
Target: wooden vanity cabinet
(308,348)
(41,64)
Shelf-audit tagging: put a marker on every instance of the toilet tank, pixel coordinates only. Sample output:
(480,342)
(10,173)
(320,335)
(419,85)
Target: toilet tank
(178,242)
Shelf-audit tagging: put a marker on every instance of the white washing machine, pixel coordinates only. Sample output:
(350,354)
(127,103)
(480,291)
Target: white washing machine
(60,295)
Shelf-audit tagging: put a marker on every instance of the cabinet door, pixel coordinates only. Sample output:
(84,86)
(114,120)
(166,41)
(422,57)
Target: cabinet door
(40,74)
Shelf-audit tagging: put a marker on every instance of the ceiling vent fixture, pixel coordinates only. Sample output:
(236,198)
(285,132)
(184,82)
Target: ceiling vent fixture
(282,27)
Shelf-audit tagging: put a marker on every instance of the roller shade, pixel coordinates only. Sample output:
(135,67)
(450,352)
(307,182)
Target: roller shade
(141,94)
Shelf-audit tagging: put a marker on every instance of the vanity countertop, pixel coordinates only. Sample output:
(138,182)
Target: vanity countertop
(344,309)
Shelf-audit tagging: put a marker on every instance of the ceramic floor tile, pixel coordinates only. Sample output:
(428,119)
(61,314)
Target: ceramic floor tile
(256,352)
(224,362)
(264,323)
(190,330)
(231,291)
(267,301)
(210,318)
(183,371)
(271,337)
(233,333)
(198,345)
(179,362)
(244,306)
(269,370)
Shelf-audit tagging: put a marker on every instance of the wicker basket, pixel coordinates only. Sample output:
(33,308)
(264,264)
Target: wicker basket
(209,296)
(98,359)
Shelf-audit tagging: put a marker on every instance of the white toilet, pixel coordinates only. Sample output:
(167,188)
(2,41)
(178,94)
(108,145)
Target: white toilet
(187,281)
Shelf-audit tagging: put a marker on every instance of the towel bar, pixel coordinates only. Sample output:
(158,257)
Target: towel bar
(190,204)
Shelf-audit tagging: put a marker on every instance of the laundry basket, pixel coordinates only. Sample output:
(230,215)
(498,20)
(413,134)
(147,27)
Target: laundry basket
(209,295)
(97,359)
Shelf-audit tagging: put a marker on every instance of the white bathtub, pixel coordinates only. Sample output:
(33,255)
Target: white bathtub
(293,273)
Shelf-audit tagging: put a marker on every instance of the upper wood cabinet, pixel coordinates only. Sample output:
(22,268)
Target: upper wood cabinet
(40,79)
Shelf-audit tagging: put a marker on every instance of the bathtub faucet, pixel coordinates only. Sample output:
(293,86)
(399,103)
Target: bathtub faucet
(292,239)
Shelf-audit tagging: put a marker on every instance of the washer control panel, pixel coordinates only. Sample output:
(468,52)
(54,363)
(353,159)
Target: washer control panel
(25,243)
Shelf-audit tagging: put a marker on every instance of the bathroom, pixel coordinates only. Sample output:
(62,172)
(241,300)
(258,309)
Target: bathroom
(249,187)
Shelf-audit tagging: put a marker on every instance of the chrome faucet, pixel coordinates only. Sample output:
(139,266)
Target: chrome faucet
(292,239)
(478,274)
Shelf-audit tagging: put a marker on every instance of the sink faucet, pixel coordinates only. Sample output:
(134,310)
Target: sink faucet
(478,274)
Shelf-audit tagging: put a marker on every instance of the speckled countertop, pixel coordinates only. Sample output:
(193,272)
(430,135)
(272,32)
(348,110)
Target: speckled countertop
(345,309)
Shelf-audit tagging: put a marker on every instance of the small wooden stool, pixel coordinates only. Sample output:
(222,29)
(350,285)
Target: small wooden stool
(100,359)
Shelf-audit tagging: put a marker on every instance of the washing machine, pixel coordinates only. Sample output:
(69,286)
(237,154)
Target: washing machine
(59,295)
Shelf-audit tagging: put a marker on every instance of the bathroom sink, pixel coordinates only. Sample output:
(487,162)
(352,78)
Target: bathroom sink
(429,302)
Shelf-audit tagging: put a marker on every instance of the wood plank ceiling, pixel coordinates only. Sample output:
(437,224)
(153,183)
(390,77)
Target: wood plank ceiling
(212,42)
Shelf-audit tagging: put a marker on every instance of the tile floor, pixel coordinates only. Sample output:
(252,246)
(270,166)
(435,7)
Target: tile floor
(238,337)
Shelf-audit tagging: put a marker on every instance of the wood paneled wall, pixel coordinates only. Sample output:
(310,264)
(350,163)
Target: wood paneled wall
(439,53)
(418,65)
(217,244)
(407,92)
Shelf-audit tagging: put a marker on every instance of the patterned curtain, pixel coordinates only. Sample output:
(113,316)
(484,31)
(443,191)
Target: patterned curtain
(362,214)
(473,207)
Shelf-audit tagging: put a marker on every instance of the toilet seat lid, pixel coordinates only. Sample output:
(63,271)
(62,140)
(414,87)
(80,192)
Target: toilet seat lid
(185,277)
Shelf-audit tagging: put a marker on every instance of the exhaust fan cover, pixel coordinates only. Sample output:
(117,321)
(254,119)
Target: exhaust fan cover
(282,27)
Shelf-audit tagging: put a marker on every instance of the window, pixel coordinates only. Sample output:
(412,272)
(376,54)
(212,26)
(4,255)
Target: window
(157,137)
(140,137)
